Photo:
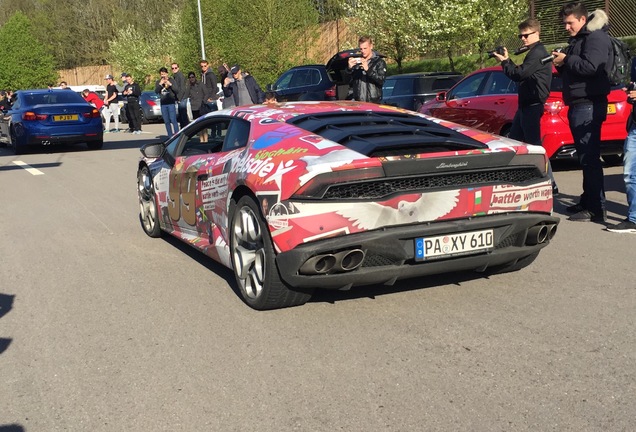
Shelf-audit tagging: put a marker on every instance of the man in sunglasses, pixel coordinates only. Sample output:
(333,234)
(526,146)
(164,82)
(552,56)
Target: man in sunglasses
(534,80)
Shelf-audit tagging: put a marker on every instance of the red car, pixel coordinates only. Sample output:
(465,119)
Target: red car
(487,100)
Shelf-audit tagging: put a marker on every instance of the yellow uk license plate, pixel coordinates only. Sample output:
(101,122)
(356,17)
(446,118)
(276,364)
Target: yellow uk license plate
(611,108)
(66,117)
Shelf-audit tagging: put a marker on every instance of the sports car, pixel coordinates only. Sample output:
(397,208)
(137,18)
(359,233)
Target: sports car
(332,195)
(50,117)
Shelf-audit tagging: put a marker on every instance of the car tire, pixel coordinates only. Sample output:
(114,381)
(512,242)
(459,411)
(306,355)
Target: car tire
(17,149)
(148,212)
(95,145)
(513,266)
(613,159)
(505,131)
(253,261)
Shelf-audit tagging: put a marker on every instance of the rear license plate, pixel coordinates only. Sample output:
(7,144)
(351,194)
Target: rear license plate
(66,117)
(611,108)
(453,244)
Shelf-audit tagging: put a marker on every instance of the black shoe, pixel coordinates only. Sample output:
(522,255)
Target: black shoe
(626,226)
(576,208)
(588,216)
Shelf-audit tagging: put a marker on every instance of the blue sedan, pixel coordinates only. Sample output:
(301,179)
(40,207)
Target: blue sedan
(50,117)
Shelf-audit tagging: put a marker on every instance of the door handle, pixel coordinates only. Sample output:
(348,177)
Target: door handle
(500,101)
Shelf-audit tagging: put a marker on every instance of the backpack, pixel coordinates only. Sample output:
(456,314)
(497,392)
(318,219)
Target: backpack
(619,73)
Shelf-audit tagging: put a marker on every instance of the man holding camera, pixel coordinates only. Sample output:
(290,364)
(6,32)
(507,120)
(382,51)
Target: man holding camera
(534,78)
(534,81)
(583,67)
(166,88)
(368,72)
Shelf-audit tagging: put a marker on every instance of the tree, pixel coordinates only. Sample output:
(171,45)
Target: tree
(265,37)
(142,54)
(403,28)
(392,24)
(25,62)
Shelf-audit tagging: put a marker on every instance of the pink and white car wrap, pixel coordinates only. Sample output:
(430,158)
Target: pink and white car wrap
(282,162)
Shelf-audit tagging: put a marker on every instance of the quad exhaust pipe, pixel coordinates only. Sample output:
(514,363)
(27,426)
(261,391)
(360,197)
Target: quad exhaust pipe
(539,234)
(343,261)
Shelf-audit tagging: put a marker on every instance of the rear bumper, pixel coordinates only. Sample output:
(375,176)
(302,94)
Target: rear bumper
(389,254)
(63,139)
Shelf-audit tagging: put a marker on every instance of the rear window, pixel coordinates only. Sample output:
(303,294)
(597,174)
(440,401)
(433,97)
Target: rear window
(59,97)
(444,83)
(397,87)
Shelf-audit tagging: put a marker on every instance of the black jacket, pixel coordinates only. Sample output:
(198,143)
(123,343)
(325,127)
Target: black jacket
(367,85)
(168,94)
(534,78)
(589,57)
(196,94)
(181,85)
(208,80)
(256,94)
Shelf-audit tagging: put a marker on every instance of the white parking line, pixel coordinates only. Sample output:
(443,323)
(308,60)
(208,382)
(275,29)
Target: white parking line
(28,168)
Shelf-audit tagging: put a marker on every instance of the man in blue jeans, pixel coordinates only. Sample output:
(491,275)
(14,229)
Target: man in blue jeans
(166,87)
(583,67)
(629,170)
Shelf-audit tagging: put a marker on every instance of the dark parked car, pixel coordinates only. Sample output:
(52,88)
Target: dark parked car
(50,117)
(309,82)
(150,107)
(316,82)
(411,90)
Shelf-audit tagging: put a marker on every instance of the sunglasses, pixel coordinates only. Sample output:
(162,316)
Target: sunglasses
(175,67)
(523,36)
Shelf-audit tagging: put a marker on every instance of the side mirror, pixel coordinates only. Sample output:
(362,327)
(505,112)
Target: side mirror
(441,96)
(270,87)
(152,150)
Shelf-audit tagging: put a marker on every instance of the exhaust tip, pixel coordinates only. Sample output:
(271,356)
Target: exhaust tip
(537,234)
(350,260)
(320,264)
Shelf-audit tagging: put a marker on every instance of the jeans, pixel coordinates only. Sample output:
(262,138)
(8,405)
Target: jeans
(182,113)
(585,123)
(526,125)
(169,114)
(629,172)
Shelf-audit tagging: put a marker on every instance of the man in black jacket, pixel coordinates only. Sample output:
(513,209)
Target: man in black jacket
(132,91)
(367,72)
(534,80)
(244,89)
(182,101)
(584,66)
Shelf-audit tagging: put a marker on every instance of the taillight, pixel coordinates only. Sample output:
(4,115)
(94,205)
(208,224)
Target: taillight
(31,116)
(553,107)
(331,92)
(151,102)
(317,186)
(93,114)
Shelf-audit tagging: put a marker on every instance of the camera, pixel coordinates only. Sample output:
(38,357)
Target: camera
(549,58)
(499,50)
